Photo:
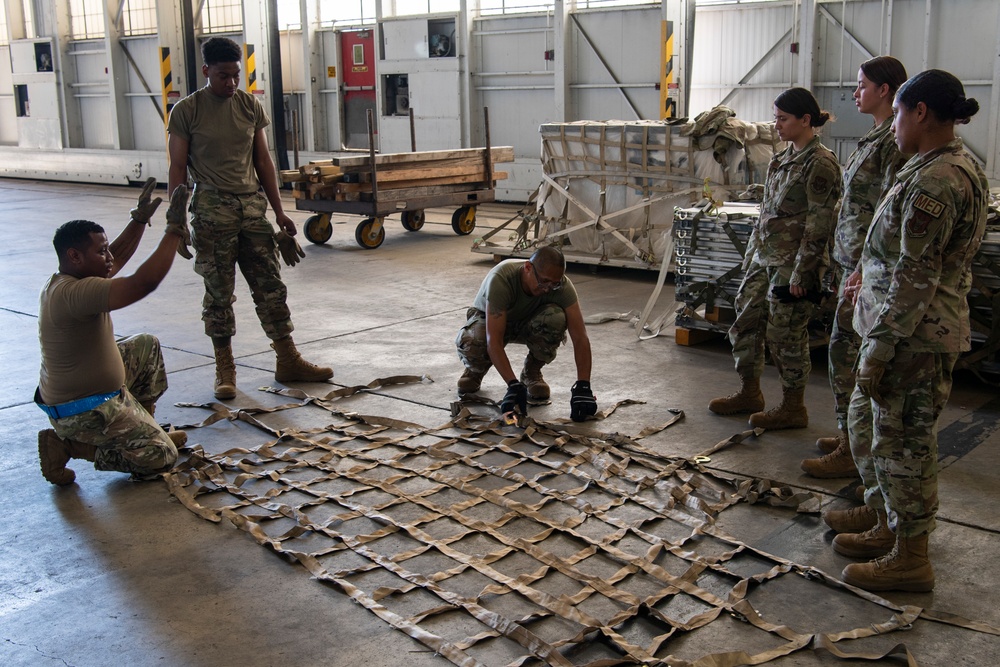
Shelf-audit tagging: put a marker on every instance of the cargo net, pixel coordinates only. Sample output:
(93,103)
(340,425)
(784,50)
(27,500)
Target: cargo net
(498,545)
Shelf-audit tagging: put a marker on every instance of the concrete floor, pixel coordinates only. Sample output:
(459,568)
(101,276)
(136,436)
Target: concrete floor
(112,572)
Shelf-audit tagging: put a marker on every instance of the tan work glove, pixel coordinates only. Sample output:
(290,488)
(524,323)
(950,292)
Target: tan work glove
(145,207)
(291,251)
(177,220)
(870,372)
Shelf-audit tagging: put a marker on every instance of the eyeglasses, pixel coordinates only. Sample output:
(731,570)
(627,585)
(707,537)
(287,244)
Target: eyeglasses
(547,285)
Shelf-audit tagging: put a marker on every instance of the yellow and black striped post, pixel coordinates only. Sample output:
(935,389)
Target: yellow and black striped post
(167,77)
(668,105)
(251,68)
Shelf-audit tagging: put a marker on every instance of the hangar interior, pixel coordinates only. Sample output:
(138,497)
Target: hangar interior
(726,561)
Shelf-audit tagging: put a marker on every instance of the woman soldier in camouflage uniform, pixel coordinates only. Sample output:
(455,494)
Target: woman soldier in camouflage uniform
(786,258)
(912,314)
(870,171)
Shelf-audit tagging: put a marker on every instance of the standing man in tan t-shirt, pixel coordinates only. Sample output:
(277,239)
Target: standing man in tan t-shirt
(216,135)
(100,395)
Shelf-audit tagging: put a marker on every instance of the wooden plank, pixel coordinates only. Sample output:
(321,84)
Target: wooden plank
(409,193)
(418,183)
(498,154)
(689,337)
(419,173)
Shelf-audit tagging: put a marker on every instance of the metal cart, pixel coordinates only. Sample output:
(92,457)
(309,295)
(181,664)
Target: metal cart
(370,232)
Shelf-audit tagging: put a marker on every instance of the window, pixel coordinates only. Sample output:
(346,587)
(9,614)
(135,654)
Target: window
(346,13)
(222,16)
(139,18)
(289,15)
(409,7)
(28,11)
(86,19)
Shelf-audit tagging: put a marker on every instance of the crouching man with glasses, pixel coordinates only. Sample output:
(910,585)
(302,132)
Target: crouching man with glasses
(533,303)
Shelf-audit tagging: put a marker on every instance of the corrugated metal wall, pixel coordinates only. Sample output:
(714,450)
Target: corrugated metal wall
(608,68)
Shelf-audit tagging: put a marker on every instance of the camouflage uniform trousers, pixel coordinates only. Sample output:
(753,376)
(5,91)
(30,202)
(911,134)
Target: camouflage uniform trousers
(895,446)
(843,351)
(229,230)
(782,325)
(126,436)
(542,333)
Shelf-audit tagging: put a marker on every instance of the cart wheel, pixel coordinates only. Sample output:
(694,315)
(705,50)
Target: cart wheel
(363,234)
(413,220)
(463,221)
(318,228)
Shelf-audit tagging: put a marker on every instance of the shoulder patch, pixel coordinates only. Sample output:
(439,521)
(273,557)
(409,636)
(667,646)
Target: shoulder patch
(928,205)
(820,185)
(917,223)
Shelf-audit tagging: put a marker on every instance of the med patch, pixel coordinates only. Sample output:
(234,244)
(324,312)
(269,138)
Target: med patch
(928,205)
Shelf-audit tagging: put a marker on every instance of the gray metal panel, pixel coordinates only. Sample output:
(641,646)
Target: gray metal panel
(728,42)
(628,42)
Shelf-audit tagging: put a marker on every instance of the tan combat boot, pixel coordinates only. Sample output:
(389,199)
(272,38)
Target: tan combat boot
(225,373)
(905,568)
(838,463)
(470,382)
(531,377)
(179,438)
(54,453)
(747,399)
(827,445)
(791,413)
(291,367)
(874,542)
(853,520)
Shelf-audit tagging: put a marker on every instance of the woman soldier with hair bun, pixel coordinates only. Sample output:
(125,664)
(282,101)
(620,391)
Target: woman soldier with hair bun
(869,172)
(913,317)
(786,258)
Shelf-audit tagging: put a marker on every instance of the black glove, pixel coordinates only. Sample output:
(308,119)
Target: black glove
(784,295)
(582,403)
(516,399)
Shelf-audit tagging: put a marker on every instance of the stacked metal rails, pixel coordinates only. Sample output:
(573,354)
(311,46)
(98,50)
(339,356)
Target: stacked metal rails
(984,304)
(709,244)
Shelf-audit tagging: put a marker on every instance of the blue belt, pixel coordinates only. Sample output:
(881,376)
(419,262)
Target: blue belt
(76,407)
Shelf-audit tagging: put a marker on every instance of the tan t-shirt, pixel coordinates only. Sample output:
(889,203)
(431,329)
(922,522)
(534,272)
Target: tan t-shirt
(219,132)
(79,354)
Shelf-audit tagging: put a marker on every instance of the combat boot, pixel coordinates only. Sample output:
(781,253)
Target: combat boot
(905,568)
(875,542)
(747,399)
(291,367)
(791,413)
(225,373)
(470,382)
(827,445)
(54,453)
(531,377)
(853,520)
(838,463)
(178,437)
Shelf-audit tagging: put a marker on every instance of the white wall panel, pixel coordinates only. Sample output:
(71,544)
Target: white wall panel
(728,43)
(148,128)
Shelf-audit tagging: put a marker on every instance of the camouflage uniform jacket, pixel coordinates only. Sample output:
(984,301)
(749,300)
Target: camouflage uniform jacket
(870,171)
(917,258)
(798,214)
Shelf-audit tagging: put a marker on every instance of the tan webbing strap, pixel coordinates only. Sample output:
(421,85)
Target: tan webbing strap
(554,538)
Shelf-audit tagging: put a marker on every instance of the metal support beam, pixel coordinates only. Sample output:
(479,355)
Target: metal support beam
(607,67)
(848,35)
(563,57)
(807,42)
(313,121)
(120,106)
(260,29)
(758,65)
